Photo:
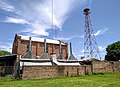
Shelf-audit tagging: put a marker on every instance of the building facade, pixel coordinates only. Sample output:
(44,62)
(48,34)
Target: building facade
(21,46)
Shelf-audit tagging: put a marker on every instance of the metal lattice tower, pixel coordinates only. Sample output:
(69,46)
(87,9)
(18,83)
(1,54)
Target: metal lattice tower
(90,45)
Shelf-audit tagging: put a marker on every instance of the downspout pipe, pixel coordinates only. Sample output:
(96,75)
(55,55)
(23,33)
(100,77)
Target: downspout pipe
(60,49)
(30,43)
(70,49)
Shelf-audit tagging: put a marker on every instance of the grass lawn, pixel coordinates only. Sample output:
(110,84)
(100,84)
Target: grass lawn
(98,80)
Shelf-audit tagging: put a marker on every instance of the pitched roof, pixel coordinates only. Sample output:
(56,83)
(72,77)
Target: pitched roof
(23,37)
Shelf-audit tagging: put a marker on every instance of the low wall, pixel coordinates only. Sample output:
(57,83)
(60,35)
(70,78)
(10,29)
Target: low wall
(54,71)
(57,71)
(105,66)
(116,66)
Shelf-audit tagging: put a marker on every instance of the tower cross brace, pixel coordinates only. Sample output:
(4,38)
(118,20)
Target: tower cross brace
(90,45)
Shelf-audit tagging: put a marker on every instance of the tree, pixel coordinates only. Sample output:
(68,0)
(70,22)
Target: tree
(94,59)
(113,52)
(3,52)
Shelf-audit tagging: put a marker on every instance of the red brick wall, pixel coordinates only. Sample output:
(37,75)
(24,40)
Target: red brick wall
(20,47)
(116,66)
(105,66)
(54,71)
(57,71)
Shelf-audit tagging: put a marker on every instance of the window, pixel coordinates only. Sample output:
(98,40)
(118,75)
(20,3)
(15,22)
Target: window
(27,48)
(61,50)
(46,49)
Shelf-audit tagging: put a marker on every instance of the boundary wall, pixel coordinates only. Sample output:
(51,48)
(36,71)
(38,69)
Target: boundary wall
(54,71)
(30,72)
(58,71)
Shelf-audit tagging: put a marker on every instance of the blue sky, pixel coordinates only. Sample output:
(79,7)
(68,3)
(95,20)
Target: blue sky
(34,18)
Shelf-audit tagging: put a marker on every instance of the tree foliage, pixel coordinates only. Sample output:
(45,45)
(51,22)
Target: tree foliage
(3,52)
(113,52)
(94,59)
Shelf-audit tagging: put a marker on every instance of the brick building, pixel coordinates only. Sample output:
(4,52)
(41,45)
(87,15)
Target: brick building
(21,46)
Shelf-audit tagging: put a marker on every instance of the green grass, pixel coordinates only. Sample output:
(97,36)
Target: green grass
(96,80)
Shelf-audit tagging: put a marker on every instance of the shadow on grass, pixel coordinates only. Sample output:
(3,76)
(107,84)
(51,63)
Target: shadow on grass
(99,73)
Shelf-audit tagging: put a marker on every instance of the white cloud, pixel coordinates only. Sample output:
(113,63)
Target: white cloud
(6,6)
(101,48)
(65,38)
(82,51)
(37,14)
(100,32)
(6,46)
(15,20)
(82,36)
(69,37)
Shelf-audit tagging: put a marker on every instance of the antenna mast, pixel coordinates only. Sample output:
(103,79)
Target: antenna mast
(52,25)
(90,45)
(52,18)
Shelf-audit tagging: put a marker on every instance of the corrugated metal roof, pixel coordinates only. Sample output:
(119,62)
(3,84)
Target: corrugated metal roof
(23,37)
(8,56)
